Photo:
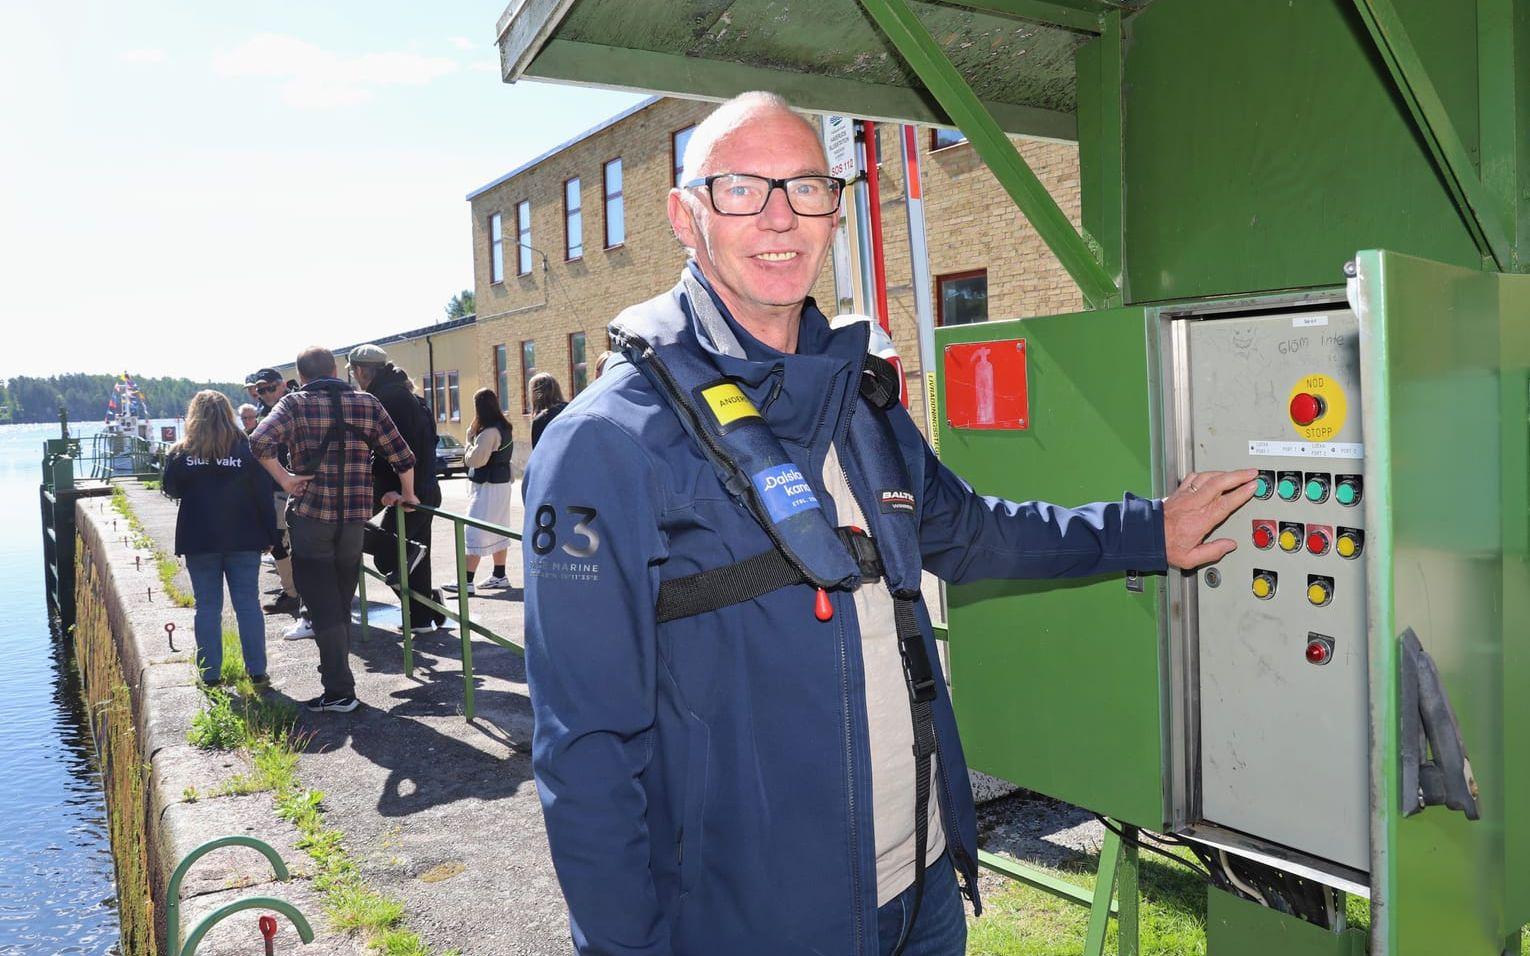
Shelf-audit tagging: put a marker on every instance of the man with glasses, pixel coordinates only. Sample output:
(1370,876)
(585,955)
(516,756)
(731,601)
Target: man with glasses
(743,742)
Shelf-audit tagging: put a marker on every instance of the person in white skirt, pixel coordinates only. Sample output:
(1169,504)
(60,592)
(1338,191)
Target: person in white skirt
(490,484)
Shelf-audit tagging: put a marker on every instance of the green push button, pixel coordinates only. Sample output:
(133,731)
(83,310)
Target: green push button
(1346,493)
(1317,489)
(1287,489)
(1261,487)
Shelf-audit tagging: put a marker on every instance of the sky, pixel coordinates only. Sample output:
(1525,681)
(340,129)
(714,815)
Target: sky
(203,188)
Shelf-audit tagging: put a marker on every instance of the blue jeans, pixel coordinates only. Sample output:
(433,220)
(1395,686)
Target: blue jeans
(242,570)
(940,929)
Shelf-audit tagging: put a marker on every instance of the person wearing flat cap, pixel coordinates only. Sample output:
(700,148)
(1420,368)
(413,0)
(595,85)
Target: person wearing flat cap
(369,366)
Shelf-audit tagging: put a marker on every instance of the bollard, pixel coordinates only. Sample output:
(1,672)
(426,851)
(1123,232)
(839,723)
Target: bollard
(151,594)
(137,562)
(268,931)
(170,633)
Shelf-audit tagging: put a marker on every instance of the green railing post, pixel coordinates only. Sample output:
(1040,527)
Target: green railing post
(405,592)
(361,591)
(464,622)
(1127,890)
(173,890)
(305,932)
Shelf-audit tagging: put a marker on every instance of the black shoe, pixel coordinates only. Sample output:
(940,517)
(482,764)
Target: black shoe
(260,681)
(286,604)
(343,705)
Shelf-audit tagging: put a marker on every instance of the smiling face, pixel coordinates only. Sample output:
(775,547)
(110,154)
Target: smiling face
(762,266)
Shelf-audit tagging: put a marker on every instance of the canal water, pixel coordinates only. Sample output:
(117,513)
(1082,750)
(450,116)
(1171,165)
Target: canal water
(57,894)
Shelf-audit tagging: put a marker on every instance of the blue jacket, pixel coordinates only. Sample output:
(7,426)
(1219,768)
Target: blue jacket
(226,503)
(706,783)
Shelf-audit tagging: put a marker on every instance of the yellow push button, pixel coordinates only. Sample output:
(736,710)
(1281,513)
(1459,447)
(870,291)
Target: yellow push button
(1319,592)
(1264,586)
(1289,540)
(1345,547)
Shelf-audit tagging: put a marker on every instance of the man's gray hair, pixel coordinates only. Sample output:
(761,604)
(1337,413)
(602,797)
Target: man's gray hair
(722,121)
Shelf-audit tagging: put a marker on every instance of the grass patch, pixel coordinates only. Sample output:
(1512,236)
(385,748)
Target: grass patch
(164,563)
(240,719)
(1022,921)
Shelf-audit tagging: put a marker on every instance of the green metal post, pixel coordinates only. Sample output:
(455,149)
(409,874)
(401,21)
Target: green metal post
(404,590)
(463,624)
(1127,892)
(996,149)
(1486,219)
(361,592)
(173,889)
(1104,886)
(305,932)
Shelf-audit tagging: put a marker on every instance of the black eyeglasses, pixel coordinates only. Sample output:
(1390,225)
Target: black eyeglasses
(265,389)
(744,194)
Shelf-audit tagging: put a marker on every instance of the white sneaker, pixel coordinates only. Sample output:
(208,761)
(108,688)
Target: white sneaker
(299,631)
(268,560)
(471,590)
(429,628)
(495,581)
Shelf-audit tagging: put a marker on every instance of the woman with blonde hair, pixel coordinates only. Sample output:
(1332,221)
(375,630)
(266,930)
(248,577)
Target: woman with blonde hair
(226,520)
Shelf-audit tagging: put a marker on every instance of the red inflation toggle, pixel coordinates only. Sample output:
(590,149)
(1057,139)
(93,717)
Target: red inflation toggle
(822,609)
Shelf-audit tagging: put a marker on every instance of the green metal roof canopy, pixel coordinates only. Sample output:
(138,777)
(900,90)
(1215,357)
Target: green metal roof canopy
(1018,55)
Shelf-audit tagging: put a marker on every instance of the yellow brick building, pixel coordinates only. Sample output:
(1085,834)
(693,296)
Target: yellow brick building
(564,242)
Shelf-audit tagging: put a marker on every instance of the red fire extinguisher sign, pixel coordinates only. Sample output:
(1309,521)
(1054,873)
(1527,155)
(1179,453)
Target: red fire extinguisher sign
(985,385)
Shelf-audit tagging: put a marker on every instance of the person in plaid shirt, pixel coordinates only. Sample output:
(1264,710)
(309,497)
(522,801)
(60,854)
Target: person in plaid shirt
(331,431)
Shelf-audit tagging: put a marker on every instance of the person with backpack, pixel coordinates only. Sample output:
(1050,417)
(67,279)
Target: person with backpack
(331,431)
(743,741)
(370,367)
(225,521)
(490,488)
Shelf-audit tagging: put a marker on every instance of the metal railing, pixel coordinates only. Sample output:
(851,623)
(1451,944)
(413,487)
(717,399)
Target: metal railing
(174,945)
(121,456)
(466,626)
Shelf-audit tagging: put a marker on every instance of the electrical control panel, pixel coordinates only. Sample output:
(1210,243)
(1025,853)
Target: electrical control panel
(1271,641)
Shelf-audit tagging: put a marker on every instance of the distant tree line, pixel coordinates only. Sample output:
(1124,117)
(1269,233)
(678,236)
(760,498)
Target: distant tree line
(28,399)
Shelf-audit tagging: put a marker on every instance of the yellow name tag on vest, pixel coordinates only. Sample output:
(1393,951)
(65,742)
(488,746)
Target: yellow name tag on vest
(728,404)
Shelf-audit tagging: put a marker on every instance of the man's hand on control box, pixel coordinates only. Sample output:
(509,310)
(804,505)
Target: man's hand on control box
(1198,507)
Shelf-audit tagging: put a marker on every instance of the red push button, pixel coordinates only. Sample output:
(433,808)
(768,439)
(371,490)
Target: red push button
(1319,651)
(1264,535)
(1317,541)
(1306,408)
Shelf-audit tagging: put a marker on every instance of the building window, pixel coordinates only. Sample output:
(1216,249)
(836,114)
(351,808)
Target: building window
(502,377)
(573,221)
(962,298)
(523,237)
(941,138)
(578,370)
(442,394)
(677,141)
(528,369)
(616,213)
(496,249)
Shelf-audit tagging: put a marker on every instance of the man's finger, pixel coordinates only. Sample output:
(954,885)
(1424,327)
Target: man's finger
(1228,502)
(1224,481)
(1211,552)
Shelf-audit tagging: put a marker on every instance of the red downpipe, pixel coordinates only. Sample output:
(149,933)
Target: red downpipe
(874,200)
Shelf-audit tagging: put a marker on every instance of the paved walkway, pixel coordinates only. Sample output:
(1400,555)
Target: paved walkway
(438,813)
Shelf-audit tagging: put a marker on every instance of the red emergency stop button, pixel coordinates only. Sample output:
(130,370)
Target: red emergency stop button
(1306,408)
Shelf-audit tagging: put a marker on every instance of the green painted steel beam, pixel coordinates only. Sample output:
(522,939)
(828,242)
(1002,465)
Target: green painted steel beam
(1104,888)
(1485,215)
(1040,11)
(1038,878)
(932,65)
(594,64)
